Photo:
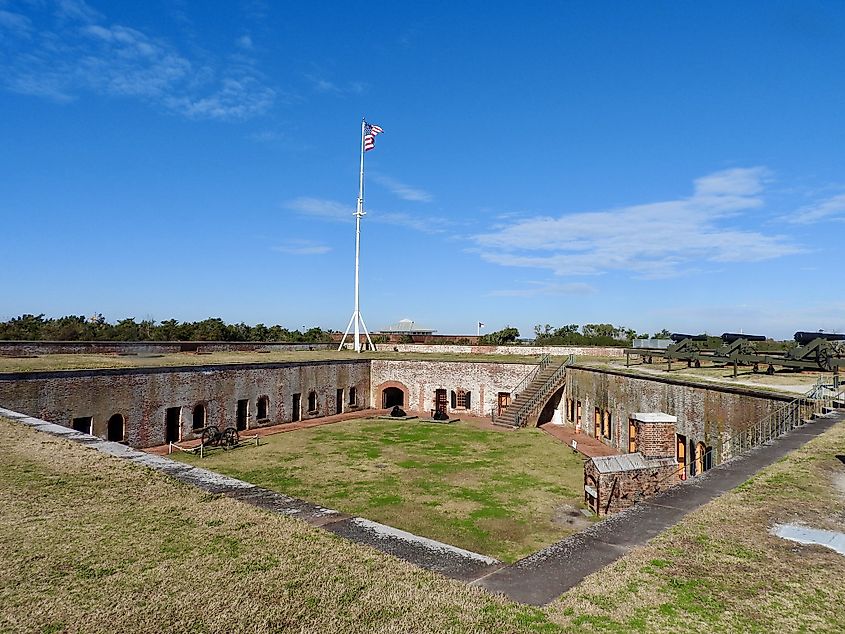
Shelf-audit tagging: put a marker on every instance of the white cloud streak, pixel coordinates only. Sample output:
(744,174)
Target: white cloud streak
(832,208)
(302,247)
(536,288)
(401,190)
(653,240)
(333,211)
(76,50)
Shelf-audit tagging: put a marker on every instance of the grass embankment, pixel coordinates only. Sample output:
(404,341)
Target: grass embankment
(781,381)
(51,362)
(500,493)
(720,570)
(94,544)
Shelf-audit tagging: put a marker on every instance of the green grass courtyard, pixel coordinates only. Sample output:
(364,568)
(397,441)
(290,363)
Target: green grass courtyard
(500,493)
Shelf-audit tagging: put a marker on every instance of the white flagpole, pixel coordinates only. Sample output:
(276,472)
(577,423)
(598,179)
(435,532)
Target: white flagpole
(357,319)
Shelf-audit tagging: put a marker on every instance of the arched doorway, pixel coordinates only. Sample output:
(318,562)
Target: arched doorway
(116,428)
(391,396)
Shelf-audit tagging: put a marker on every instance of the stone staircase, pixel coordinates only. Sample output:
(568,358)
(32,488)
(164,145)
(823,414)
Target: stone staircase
(530,398)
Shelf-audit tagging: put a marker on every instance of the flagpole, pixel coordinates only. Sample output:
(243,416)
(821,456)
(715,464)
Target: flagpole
(357,319)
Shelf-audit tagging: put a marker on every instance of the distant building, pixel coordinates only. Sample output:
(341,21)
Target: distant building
(405,328)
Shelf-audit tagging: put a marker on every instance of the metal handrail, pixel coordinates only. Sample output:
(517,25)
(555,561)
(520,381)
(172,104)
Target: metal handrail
(531,404)
(544,362)
(771,426)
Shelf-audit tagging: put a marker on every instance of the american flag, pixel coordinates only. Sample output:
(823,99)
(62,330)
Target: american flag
(370,132)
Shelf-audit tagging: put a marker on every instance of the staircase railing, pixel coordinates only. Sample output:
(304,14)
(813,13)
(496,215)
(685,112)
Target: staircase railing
(786,418)
(543,363)
(530,406)
(545,360)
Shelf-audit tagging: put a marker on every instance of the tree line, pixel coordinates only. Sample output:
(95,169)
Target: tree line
(591,335)
(97,328)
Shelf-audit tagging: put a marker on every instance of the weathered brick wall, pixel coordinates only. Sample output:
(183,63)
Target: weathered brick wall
(561,351)
(656,440)
(621,490)
(142,395)
(707,414)
(29,348)
(420,379)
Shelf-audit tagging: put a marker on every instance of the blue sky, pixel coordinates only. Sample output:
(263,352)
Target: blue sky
(649,164)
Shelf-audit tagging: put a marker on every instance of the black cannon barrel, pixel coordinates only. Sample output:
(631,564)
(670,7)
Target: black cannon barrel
(730,337)
(676,337)
(804,338)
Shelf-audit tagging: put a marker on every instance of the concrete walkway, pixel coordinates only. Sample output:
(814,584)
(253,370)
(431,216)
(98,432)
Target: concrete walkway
(548,573)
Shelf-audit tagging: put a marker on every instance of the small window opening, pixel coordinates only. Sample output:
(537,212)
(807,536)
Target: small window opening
(312,401)
(353,396)
(83,424)
(198,417)
(263,408)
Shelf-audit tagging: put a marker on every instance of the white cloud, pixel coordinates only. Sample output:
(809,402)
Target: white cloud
(321,208)
(401,190)
(82,52)
(650,240)
(326,86)
(832,208)
(17,23)
(334,211)
(302,247)
(535,288)
(245,42)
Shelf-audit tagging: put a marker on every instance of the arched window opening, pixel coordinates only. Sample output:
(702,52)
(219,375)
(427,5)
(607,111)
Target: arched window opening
(198,417)
(116,428)
(263,407)
(312,401)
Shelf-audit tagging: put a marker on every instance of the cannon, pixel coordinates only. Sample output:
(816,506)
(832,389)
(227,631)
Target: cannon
(803,338)
(678,337)
(684,348)
(738,349)
(823,348)
(731,337)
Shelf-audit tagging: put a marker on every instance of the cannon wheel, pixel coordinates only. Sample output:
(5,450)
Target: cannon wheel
(231,438)
(824,358)
(210,435)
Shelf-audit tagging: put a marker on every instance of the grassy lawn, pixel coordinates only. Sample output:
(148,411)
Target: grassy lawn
(49,362)
(98,545)
(720,570)
(500,493)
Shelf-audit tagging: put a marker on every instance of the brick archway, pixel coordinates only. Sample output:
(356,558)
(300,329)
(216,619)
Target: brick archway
(387,385)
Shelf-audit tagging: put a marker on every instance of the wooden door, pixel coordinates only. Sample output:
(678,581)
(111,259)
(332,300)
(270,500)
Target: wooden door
(632,436)
(681,455)
(440,401)
(504,401)
(699,457)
